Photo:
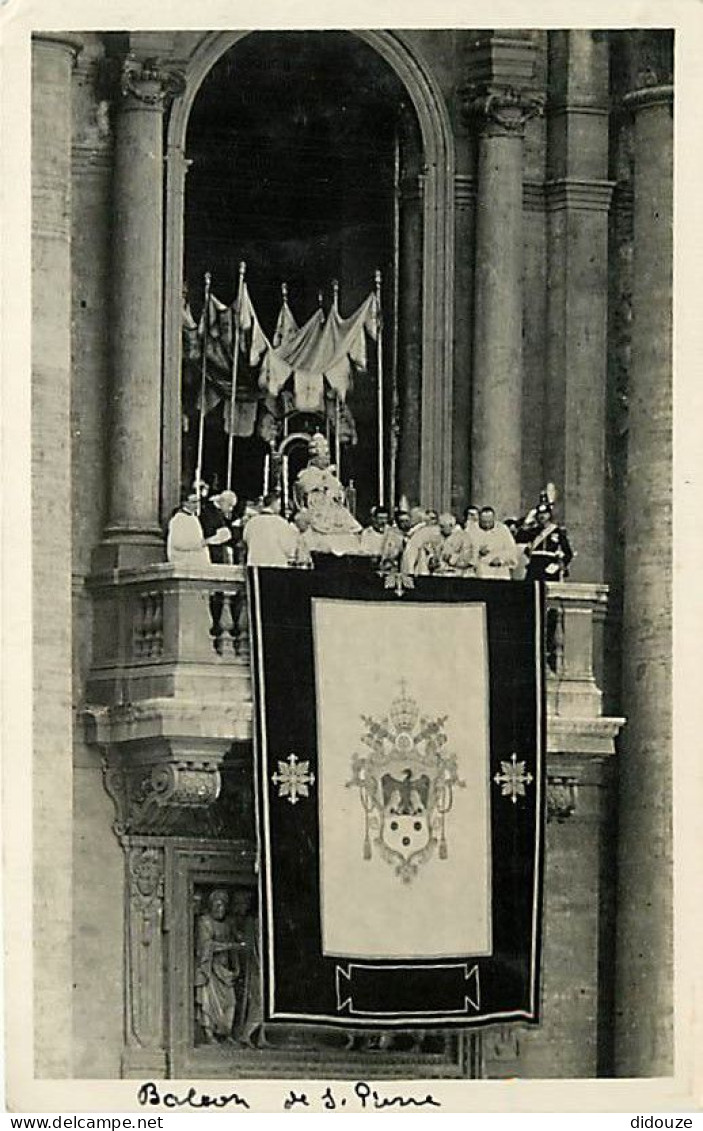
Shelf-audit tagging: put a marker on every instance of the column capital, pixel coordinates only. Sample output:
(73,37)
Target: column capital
(64,40)
(148,83)
(502,111)
(651,93)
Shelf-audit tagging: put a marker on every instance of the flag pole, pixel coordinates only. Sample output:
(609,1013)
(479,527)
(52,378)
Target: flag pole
(337,404)
(393,453)
(328,419)
(379,354)
(286,422)
(205,317)
(235,365)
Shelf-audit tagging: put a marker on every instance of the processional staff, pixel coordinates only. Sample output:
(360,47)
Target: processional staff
(235,366)
(204,321)
(379,391)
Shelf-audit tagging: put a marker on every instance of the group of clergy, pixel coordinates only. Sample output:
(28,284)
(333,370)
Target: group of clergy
(416,541)
(421,543)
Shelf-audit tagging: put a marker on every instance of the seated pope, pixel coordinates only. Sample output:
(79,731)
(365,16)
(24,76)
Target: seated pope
(333,528)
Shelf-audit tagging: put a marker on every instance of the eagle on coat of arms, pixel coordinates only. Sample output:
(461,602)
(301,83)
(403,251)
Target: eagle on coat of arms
(406,785)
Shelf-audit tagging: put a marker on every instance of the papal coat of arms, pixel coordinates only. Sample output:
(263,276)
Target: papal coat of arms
(406,785)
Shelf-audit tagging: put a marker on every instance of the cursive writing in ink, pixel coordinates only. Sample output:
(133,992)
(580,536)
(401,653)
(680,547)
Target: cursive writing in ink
(370,1098)
(149,1094)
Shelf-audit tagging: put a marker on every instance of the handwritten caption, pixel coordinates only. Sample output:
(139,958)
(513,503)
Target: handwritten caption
(353,1097)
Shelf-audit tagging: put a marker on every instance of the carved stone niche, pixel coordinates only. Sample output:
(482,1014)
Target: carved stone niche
(214,1027)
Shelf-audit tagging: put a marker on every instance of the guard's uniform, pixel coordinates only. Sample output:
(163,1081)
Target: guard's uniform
(548,552)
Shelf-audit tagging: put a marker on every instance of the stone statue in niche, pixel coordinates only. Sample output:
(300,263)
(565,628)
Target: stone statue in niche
(249,1025)
(217,967)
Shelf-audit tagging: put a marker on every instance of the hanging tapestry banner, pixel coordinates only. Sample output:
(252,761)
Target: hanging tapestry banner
(400,788)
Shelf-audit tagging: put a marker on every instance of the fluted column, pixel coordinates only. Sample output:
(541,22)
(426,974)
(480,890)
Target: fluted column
(52,62)
(132,535)
(501,113)
(644,971)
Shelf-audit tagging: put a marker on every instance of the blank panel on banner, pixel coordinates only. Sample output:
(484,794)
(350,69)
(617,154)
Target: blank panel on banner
(403,773)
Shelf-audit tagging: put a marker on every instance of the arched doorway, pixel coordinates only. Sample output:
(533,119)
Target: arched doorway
(314,125)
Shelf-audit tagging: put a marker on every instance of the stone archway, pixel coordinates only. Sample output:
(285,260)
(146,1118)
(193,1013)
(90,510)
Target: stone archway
(437,316)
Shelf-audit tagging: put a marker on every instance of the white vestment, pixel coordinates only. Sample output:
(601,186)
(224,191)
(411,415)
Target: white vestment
(270,540)
(184,543)
(499,544)
(372,541)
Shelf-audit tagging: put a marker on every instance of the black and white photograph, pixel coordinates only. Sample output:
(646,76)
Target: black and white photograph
(346,525)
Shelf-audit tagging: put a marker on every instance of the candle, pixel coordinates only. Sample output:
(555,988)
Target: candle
(285,485)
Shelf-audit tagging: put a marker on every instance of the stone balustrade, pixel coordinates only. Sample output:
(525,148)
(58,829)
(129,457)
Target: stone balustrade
(154,634)
(575,723)
(156,649)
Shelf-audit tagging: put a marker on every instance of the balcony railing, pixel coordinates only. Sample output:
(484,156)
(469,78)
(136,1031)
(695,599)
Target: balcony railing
(165,632)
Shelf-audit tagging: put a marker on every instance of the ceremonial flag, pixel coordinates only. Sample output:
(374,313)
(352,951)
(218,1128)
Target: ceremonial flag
(400,788)
(253,340)
(286,325)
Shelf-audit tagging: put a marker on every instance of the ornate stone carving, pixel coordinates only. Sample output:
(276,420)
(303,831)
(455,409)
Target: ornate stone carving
(144,923)
(562,793)
(502,111)
(142,793)
(115,782)
(177,796)
(226,983)
(149,82)
(146,873)
(189,784)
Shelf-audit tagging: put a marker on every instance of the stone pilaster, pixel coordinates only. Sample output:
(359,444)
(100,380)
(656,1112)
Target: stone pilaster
(644,969)
(52,62)
(500,104)
(578,196)
(132,536)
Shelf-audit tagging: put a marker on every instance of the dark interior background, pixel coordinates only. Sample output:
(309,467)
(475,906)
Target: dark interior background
(292,142)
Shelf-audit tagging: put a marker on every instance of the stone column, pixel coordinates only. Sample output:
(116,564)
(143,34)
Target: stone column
(132,535)
(177,165)
(644,969)
(410,338)
(497,389)
(52,61)
(465,221)
(578,197)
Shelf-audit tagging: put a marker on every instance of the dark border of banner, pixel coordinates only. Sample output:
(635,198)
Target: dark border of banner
(407,1021)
